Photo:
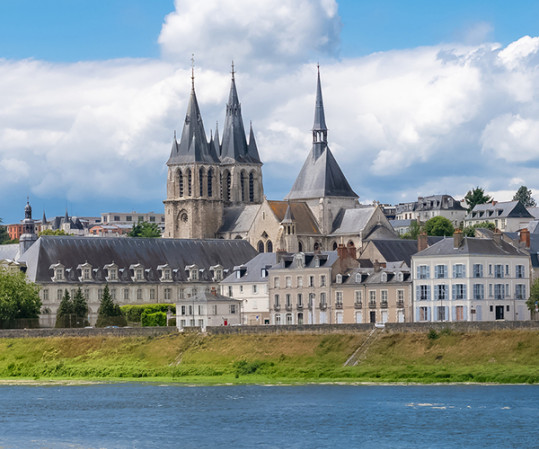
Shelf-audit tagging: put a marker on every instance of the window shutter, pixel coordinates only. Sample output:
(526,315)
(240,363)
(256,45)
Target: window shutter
(464,294)
(418,293)
(428,293)
(427,271)
(436,292)
(454,291)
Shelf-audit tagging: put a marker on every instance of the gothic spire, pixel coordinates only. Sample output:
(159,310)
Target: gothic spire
(252,147)
(320,130)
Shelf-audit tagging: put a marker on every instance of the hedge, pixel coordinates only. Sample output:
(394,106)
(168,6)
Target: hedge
(134,312)
(153,319)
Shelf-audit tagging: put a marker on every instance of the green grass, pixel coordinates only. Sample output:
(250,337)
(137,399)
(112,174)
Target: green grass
(498,357)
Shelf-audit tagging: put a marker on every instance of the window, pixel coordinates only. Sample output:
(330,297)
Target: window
(59,294)
(113,274)
(478,291)
(277,319)
(230,290)
(477,270)
(45,294)
(254,289)
(276,300)
(126,294)
(300,300)
(400,295)
(113,294)
(139,294)
(59,274)
(214,309)
(322,299)
(423,272)
(498,271)
(384,295)
(116,218)
(87,294)
(338,279)
(276,282)
(520,291)
(458,271)
(499,291)
(193,274)
(423,314)
(166,274)
(358,277)
(441,313)
(288,300)
(288,281)
(459,291)
(383,277)
(181,293)
(299,281)
(86,274)
(167,293)
(289,318)
(440,271)
(338,298)
(372,296)
(423,292)
(507,270)
(440,292)
(183,311)
(322,280)
(357,296)
(490,290)
(232,309)
(490,269)
(128,218)
(139,274)
(520,271)
(241,288)
(311,281)
(152,293)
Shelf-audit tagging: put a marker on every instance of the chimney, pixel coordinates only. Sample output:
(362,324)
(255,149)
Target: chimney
(279,255)
(494,202)
(497,237)
(525,237)
(457,238)
(342,253)
(376,266)
(352,251)
(422,242)
(213,291)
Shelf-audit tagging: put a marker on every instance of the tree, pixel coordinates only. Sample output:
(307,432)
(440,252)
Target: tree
(533,300)
(51,232)
(64,314)
(469,231)
(476,196)
(109,313)
(145,229)
(524,195)
(439,226)
(4,236)
(19,300)
(80,309)
(413,231)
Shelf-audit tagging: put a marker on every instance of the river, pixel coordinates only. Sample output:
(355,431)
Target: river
(145,416)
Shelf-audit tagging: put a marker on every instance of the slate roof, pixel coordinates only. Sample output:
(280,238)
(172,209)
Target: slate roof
(490,211)
(401,223)
(205,296)
(125,252)
(305,221)
(352,221)
(193,145)
(534,211)
(238,218)
(252,270)
(470,246)
(326,258)
(9,252)
(397,250)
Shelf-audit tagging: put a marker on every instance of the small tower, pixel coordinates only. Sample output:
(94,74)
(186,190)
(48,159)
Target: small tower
(241,168)
(289,234)
(193,208)
(29,235)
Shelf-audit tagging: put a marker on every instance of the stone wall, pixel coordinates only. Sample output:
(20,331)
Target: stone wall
(113,332)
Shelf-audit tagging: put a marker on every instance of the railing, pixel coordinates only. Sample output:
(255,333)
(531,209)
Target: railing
(400,303)
(276,307)
(299,306)
(358,305)
(288,307)
(338,305)
(323,306)
(372,304)
(383,304)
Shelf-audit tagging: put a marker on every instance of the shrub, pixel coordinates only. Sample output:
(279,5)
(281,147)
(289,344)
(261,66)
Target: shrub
(432,335)
(134,312)
(154,319)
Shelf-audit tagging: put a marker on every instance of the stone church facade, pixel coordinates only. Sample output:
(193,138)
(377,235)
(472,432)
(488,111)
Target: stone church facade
(215,190)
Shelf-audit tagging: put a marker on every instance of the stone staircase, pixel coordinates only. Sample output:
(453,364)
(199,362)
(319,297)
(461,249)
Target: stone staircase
(361,351)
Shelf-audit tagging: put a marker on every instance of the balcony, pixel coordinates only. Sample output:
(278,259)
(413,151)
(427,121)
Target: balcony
(400,303)
(276,307)
(338,305)
(288,307)
(358,305)
(383,304)
(323,306)
(299,307)
(372,304)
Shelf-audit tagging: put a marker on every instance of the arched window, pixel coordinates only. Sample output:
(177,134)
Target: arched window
(334,246)
(300,247)
(251,188)
(260,246)
(201,181)
(180,182)
(242,185)
(227,184)
(189,182)
(210,182)
(269,246)
(316,246)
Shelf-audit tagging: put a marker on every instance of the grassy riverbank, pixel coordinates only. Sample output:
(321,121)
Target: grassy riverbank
(508,356)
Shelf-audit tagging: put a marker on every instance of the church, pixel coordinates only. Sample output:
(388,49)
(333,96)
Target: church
(215,190)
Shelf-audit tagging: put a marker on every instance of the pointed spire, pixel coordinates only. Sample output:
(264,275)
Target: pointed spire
(288,216)
(192,71)
(253,149)
(44,219)
(66,217)
(319,127)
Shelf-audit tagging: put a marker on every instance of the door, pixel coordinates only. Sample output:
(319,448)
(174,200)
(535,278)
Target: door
(459,310)
(384,316)
(373,316)
(499,312)
(300,318)
(339,318)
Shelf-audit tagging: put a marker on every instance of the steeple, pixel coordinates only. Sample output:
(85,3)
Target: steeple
(29,235)
(44,219)
(234,148)
(193,145)
(320,130)
(252,148)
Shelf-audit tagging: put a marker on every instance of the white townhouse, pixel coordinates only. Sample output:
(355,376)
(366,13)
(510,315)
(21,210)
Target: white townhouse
(471,279)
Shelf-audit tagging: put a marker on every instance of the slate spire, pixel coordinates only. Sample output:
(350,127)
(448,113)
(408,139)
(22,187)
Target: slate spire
(234,146)
(193,145)
(320,130)
(253,149)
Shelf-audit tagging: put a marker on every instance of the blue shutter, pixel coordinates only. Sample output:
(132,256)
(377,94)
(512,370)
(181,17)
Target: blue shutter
(427,272)
(464,292)
(428,314)
(465,313)
(418,293)
(453,313)
(418,272)
(436,292)
(429,297)
(453,292)
(454,271)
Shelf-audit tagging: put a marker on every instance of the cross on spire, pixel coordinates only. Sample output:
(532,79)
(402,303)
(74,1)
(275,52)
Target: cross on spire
(193,70)
(233,72)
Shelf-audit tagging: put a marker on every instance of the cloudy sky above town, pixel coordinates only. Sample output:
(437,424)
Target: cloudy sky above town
(421,98)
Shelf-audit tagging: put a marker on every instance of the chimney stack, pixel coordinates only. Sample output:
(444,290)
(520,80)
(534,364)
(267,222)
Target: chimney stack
(525,237)
(213,291)
(497,237)
(342,252)
(457,238)
(352,251)
(376,265)
(422,242)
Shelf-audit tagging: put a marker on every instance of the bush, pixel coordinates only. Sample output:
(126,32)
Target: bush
(154,319)
(134,312)
(432,335)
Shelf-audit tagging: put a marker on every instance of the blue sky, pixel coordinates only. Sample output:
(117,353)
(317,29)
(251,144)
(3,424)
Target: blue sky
(421,97)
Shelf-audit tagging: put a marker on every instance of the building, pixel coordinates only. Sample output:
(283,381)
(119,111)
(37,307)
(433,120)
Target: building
(214,189)
(471,279)
(137,270)
(428,207)
(249,283)
(508,216)
(208,308)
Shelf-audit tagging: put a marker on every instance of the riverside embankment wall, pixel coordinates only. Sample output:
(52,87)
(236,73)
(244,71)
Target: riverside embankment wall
(270,329)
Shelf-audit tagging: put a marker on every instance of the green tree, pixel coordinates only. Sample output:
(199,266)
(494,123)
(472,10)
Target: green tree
(19,299)
(476,196)
(64,315)
(533,300)
(4,236)
(145,229)
(80,309)
(413,232)
(439,226)
(524,195)
(51,232)
(109,313)
(469,231)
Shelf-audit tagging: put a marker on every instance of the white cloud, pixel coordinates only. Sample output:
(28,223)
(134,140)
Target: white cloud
(263,34)
(516,53)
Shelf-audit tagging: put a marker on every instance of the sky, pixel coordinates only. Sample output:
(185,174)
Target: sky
(421,97)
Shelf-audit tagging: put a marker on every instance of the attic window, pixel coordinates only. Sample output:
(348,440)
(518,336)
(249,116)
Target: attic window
(193,274)
(59,274)
(218,274)
(384,277)
(400,276)
(139,274)
(113,274)
(358,277)
(167,274)
(338,279)
(87,273)
(317,262)
(238,274)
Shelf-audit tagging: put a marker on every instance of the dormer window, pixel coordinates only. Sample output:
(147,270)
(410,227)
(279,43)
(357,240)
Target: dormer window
(400,276)
(358,277)
(338,279)
(317,262)
(384,277)
(112,272)
(138,272)
(167,276)
(166,272)
(193,272)
(300,260)
(59,272)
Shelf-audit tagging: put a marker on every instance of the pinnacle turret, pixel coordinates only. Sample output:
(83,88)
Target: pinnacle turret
(320,130)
